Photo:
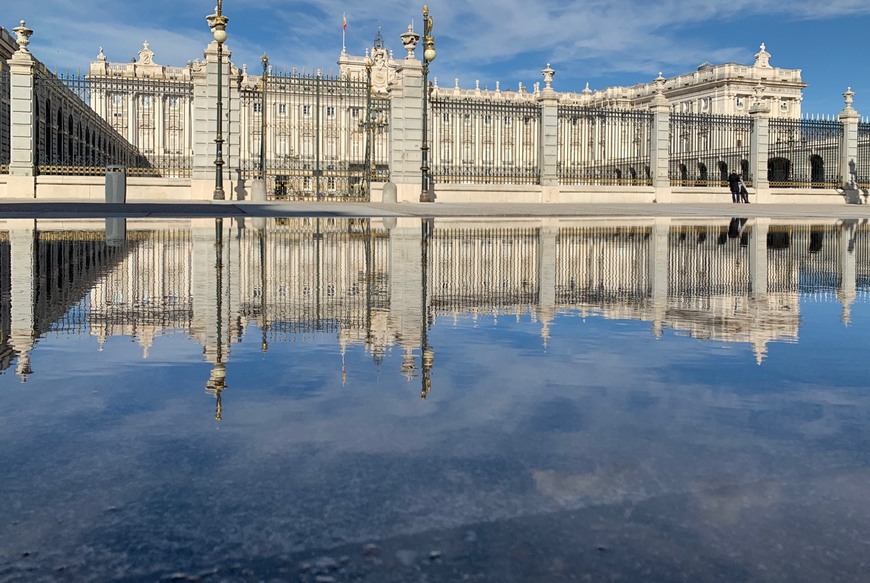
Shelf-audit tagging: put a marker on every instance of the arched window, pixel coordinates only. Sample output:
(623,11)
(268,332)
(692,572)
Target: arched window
(817,171)
(778,170)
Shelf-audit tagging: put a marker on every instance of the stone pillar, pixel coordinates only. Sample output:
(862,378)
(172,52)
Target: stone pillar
(849,148)
(759,142)
(406,282)
(847,291)
(547,277)
(658,273)
(548,139)
(22,333)
(406,130)
(204,76)
(758,273)
(660,142)
(23,142)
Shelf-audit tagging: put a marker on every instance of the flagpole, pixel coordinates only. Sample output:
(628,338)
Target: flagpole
(343,32)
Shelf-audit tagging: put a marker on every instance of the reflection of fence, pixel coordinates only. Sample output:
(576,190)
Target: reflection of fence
(804,153)
(5,122)
(484,142)
(862,164)
(314,275)
(325,137)
(484,268)
(705,149)
(604,146)
(602,267)
(72,138)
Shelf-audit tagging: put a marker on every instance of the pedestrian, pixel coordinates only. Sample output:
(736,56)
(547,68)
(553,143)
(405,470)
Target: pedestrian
(744,194)
(734,182)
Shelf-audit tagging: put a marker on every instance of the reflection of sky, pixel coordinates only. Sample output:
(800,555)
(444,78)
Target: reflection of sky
(120,455)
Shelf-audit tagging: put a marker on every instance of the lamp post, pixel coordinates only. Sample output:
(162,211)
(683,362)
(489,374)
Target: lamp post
(218,24)
(265,60)
(427,193)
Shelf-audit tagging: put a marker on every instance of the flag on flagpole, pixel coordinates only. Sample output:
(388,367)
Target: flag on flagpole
(343,22)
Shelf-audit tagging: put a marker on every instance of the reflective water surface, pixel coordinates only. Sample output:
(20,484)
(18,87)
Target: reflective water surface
(439,400)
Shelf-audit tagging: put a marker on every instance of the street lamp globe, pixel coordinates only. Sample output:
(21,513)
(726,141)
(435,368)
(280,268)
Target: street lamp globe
(220,35)
(429,54)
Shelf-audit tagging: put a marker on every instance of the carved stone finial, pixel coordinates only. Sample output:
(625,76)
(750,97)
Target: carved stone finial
(660,83)
(586,90)
(548,77)
(848,96)
(101,56)
(22,34)
(409,41)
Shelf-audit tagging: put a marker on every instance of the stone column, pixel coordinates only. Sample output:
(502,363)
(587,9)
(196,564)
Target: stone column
(849,148)
(658,273)
(660,142)
(547,276)
(759,142)
(406,282)
(204,76)
(758,273)
(23,142)
(406,124)
(22,333)
(847,292)
(548,139)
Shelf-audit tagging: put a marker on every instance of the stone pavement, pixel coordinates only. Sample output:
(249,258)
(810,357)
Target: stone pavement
(11,209)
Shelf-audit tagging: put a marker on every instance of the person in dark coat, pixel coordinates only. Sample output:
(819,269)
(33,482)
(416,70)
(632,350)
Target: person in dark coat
(734,186)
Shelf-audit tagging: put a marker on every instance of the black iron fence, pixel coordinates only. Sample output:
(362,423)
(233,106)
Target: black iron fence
(862,164)
(484,142)
(604,146)
(804,153)
(314,137)
(5,119)
(71,137)
(153,115)
(705,149)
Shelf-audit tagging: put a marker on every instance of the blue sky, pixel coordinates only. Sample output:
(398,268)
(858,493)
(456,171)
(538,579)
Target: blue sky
(602,42)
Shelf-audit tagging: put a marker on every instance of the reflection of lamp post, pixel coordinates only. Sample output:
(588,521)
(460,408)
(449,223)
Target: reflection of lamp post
(427,193)
(218,24)
(217,381)
(427,355)
(265,61)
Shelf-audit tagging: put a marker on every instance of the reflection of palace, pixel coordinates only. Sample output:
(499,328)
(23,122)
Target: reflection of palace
(363,280)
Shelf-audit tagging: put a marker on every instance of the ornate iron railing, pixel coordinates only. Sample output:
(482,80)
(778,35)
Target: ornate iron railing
(71,137)
(153,115)
(705,149)
(603,146)
(5,119)
(862,164)
(484,141)
(325,137)
(804,153)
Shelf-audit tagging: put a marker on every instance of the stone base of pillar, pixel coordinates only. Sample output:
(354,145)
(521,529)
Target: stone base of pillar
(760,195)
(408,192)
(20,186)
(663,194)
(204,190)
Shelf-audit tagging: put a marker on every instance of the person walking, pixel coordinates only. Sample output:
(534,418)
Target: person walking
(734,183)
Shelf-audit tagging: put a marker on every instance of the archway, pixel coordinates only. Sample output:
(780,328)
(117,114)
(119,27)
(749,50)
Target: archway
(778,170)
(817,171)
